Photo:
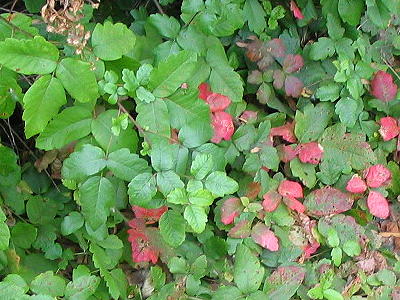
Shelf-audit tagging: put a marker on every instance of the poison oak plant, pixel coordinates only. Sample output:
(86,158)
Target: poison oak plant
(243,149)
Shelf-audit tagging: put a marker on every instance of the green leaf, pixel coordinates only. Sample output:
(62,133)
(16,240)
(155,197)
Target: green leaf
(168,181)
(36,56)
(23,235)
(351,248)
(348,110)
(144,95)
(172,228)
(254,14)
(310,123)
(82,288)
(101,130)
(34,6)
(202,165)
(306,172)
(330,294)
(154,117)
(322,49)
(49,284)
(226,81)
(335,31)
(142,189)
(4,236)
(80,164)
(167,26)
(97,196)
(71,223)
(171,73)
(220,184)
(126,165)
(328,92)
(73,123)
(378,13)
(111,41)
(201,198)
(78,79)
(10,172)
(336,254)
(41,103)
(284,282)
(178,196)
(41,211)
(196,217)
(247,266)
(158,277)
(350,10)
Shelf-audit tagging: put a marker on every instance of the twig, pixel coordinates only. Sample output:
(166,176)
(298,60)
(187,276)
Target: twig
(159,7)
(390,234)
(16,27)
(13,5)
(391,68)
(34,156)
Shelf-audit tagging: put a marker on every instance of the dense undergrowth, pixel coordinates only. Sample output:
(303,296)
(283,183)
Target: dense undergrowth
(218,149)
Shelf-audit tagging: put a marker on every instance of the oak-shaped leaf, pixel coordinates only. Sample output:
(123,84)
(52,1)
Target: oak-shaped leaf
(293,63)
(241,230)
(377,176)
(288,188)
(328,201)
(293,86)
(378,205)
(271,201)
(218,102)
(285,131)
(263,236)
(383,87)
(310,152)
(142,248)
(356,185)
(150,215)
(389,128)
(223,126)
(296,10)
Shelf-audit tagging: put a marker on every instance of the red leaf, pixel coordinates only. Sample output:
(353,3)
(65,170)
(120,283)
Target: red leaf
(328,201)
(310,152)
(294,204)
(253,189)
(378,205)
(151,215)
(276,47)
(265,237)
(241,230)
(356,185)
(290,189)
(293,63)
(293,86)
(248,116)
(286,153)
(142,249)
(230,209)
(383,87)
(218,102)
(296,10)
(223,126)
(271,201)
(310,249)
(389,128)
(279,79)
(285,131)
(377,176)
(204,91)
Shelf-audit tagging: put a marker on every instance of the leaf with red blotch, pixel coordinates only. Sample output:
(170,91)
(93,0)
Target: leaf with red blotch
(296,10)
(223,126)
(230,209)
(265,237)
(151,215)
(218,102)
(253,189)
(310,152)
(377,176)
(378,205)
(204,91)
(356,185)
(292,189)
(294,204)
(142,248)
(286,153)
(241,230)
(293,86)
(293,63)
(310,249)
(284,282)
(285,131)
(271,201)
(248,116)
(383,87)
(389,128)
(328,201)
(276,47)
